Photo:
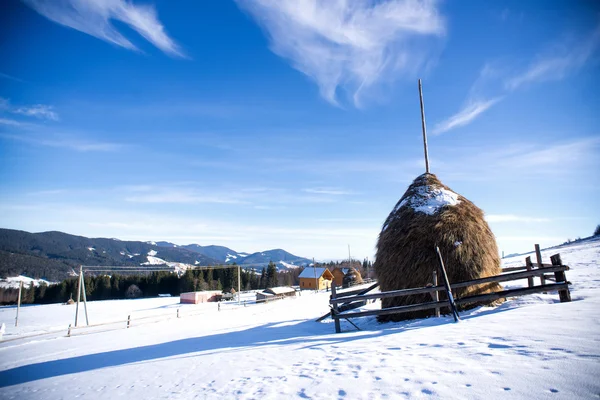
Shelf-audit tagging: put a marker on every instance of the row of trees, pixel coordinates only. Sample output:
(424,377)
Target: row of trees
(106,287)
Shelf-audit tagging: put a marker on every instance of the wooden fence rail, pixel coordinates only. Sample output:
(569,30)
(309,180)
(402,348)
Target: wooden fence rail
(526,272)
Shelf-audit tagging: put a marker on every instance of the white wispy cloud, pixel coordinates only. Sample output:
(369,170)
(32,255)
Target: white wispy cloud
(513,218)
(38,111)
(10,77)
(182,197)
(95,17)
(71,143)
(328,191)
(10,122)
(349,44)
(41,111)
(465,116)
(563,59)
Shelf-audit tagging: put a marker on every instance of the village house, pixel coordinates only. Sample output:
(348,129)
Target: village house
(315,278)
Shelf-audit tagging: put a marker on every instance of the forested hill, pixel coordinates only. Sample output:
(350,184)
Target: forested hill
(53,255)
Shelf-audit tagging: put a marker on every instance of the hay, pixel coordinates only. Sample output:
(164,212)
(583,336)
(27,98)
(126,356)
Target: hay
(431,214)
(352,278)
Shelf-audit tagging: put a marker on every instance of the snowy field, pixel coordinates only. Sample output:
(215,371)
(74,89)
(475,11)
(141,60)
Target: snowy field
(529,347)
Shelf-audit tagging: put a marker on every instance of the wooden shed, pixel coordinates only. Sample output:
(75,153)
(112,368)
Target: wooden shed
(315,278)
(278,292)
(338,275)
(200,297)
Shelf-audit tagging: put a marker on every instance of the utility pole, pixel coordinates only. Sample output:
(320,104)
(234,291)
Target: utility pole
(349,257)
(424,128)
(19,303)
(315,271)
(78,294)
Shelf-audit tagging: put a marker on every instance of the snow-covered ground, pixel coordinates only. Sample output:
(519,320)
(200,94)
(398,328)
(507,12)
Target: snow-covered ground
(14,282)
(529,347)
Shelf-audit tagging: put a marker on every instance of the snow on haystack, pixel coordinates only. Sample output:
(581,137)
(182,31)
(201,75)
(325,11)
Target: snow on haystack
(428,199)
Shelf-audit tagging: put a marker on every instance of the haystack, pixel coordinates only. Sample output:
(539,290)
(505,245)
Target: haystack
(431,214)
(352,278)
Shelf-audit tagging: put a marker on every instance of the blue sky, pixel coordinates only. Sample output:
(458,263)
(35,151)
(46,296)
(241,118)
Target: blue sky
(296,124)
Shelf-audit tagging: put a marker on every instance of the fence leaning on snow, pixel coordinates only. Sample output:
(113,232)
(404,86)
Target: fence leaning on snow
(342,303)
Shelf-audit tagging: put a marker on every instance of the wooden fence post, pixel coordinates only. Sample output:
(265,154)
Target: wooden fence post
(436,294)
(128,320)
(529,265)
(565,294)
(447,285)
(69,331)
(178,313)
(538,256)
(334,311)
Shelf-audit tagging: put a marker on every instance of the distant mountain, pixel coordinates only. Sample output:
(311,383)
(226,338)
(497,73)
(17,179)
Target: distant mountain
(221,253)
(55,255)
(282,258)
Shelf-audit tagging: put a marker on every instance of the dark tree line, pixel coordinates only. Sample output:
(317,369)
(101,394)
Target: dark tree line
(105,287)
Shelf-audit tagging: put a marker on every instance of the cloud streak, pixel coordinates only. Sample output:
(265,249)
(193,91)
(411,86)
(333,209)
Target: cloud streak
(350,45)
(95,17)
(465,116)
(328,191)
(40,111)
(564,59)
(67,143)
(513,218)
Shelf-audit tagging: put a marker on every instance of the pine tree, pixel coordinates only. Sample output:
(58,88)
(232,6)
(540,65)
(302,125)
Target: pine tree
(262,283)
(209,278)
(272,275)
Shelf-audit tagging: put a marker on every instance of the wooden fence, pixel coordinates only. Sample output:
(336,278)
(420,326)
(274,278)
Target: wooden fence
(341,303)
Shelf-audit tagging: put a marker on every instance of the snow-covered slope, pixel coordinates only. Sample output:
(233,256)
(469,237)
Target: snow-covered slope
(532,347)
(14,282)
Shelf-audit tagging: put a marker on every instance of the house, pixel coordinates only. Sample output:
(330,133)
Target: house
(338,275)
(200,297)
(278,292)
(315,278)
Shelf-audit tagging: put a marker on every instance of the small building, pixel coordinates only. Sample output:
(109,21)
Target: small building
(205,296)
(338,275)
(315,278)
(278,292)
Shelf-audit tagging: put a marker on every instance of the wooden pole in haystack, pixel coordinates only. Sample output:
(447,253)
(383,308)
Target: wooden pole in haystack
(447,285)
(424,128)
